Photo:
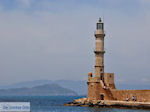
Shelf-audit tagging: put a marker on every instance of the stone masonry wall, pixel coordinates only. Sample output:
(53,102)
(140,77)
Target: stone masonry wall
(141,95)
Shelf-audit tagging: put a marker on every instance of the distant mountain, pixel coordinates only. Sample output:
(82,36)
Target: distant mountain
(42,90)
(78,86)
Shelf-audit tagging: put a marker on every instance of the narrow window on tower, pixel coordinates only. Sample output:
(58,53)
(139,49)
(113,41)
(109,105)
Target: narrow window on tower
(101,70)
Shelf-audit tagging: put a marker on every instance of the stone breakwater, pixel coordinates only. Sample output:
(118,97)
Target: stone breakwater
(84,102)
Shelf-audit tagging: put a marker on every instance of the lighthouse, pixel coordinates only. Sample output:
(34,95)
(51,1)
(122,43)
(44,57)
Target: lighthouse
(101,86)
(100,83)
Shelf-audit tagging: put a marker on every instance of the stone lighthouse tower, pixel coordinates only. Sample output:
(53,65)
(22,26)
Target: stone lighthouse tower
(100,83)
(99,50)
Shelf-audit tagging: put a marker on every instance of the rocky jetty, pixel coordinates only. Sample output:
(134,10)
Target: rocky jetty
(84,102)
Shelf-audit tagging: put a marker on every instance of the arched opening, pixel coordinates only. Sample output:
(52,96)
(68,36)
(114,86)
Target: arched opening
(101,96)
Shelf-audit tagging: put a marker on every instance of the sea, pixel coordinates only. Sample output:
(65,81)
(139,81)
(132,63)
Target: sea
(56,104)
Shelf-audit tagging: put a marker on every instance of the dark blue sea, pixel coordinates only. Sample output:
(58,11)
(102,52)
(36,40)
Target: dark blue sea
(55,104)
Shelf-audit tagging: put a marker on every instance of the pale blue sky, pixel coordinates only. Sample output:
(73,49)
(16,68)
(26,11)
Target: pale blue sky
(54,39)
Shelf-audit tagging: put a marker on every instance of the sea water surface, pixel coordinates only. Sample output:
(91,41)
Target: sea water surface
(55,104)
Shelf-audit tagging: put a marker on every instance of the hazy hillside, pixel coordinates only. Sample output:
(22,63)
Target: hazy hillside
(80,87)
(42,90)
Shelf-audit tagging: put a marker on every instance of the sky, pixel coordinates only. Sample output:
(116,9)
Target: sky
(54,39)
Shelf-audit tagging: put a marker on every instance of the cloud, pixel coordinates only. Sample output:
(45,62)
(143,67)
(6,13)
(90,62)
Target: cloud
(43,45)
(56,41)
(24,3)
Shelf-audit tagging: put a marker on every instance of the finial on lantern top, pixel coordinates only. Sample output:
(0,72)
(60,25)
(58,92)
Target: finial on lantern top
(100,20)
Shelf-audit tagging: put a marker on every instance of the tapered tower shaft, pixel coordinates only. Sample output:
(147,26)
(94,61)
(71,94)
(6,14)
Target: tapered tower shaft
(99,50)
